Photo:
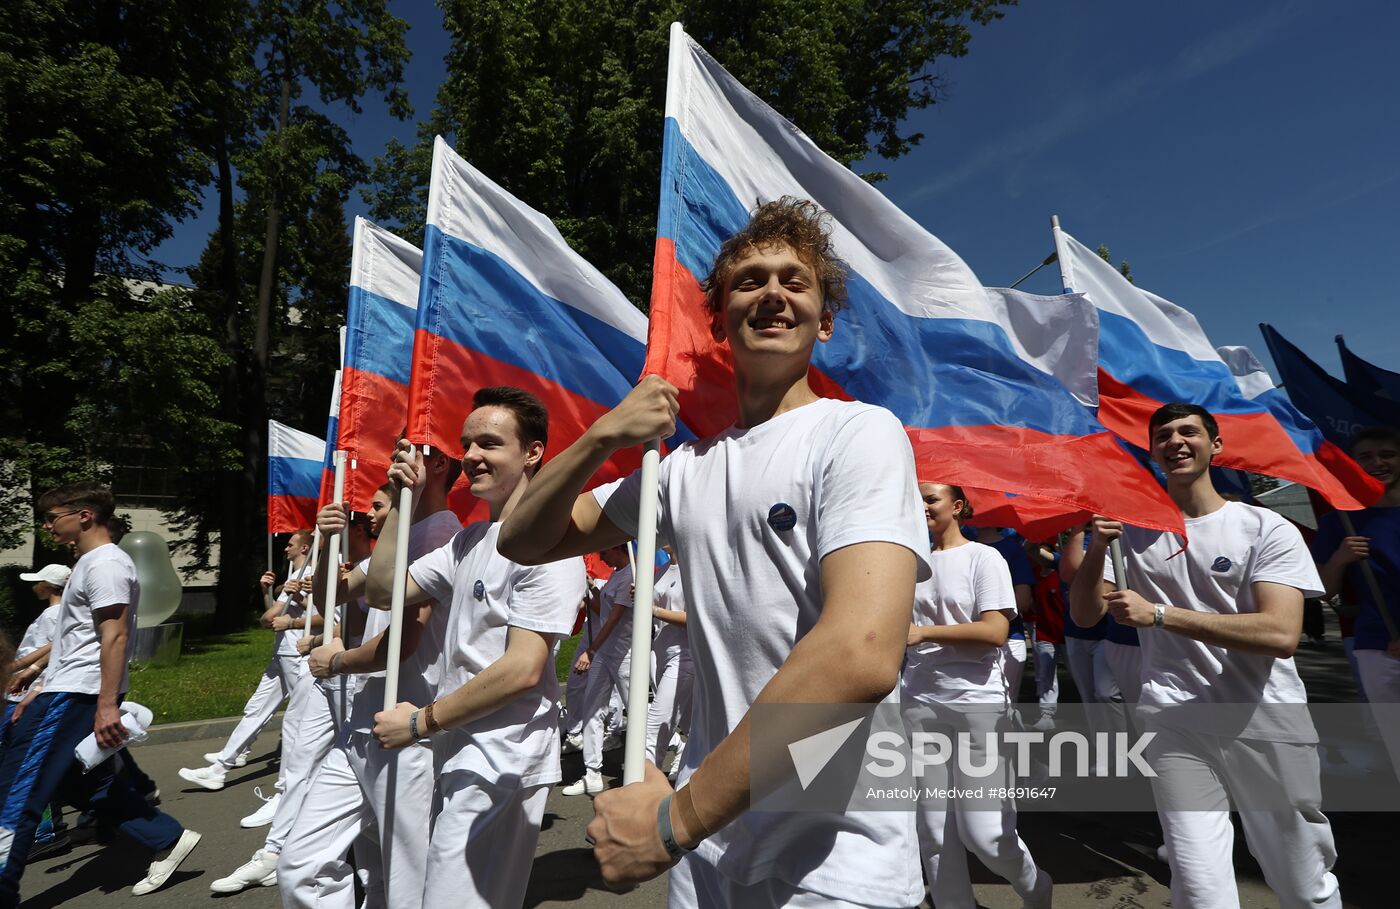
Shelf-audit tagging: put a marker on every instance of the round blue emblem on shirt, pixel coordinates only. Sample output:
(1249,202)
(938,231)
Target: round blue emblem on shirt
(479,589)
(1221,564)
(782,517)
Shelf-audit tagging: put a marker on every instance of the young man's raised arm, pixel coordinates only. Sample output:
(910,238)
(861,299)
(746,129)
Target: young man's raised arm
(867,599)
(406,471)
(1088,591)
(552,521)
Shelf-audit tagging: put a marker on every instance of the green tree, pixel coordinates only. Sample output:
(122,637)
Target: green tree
(561,102)
(1123,268)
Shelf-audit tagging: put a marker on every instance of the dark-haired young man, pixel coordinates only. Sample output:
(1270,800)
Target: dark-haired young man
(494,725)
(82,691)
(1219,621)
(1377,540)
(799,536)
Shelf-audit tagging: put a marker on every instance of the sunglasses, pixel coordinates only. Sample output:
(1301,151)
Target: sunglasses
(51,516)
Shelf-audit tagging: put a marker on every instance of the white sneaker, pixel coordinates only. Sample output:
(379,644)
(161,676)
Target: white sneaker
(160,870)
(264,815)
(591,783)
(573,743)
(211,777)
(259,871)
(612,742)
(240,761)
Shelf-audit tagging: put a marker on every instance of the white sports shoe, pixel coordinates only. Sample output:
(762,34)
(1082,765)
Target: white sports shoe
(612,741)
(259,871)
(211,777)
(573,743)
(240,761)
(160,870)
(591,783)
(264,815)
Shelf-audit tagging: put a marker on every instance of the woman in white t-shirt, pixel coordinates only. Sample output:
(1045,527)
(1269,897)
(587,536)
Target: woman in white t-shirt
(954,682)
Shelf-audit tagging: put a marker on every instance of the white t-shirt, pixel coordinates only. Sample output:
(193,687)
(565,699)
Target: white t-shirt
(616,594)
(286,641)
(750,514)
(104,577)
(489,595)
(39,633)
(419,674)
(967,581)
(1230,550)
(670,642)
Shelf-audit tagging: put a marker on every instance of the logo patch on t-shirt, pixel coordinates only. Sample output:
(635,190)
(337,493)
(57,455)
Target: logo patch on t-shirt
(1221,564)
(782,517)
(479,589)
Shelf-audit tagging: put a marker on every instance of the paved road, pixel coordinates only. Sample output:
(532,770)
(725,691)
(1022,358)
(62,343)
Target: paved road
(1105,861)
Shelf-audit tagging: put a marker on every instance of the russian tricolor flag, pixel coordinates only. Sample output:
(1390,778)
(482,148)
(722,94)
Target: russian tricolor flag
(293,477)
(379,322)
(1152,352)
(327,491)
(976,376)
(505,301)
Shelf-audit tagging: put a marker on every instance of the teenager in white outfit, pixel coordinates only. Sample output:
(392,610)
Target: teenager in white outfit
(279,677)
(359,782)
(494,725)
(607,662)
(673,677)
(954,682)
(798,536)
(1218,622)
(32,654)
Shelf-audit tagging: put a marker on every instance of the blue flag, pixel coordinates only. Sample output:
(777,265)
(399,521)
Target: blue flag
(1369,377)
(1338,409)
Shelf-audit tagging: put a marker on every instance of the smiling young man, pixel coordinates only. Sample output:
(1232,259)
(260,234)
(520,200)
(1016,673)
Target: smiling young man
(494,725)
(82,691)
(1377,540)
(1219,615)
(799,535)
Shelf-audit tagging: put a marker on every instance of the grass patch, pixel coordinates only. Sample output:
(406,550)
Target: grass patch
(214,677)
(217,672)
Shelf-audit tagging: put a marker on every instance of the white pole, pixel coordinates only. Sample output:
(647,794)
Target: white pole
(269,550)
(391,669)
(636,747)
(333,552)
(313,559)
(1115,547)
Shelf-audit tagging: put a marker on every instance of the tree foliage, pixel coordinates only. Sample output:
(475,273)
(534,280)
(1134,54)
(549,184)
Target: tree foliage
(561,102)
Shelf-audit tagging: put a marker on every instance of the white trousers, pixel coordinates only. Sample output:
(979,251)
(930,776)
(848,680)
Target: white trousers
(348,804)
(483,842)
(606,677)
(1198,775)
(695,884)
(1015,668)
(950,828)
(1125,662)
(574,694)
(1380,677)
(670,706)
(312,721)
(1047,680)
(278,679)
(1089,668)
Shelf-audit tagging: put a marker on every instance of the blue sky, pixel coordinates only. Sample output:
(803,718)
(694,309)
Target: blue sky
(1244,157)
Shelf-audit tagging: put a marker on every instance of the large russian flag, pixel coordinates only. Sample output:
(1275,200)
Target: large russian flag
(504,300)
(379,321)
(293,477)
(975,375)
(1152,352)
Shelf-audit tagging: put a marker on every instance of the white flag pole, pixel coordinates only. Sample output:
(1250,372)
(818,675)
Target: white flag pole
(1115,547)
(391,669)
(333,552)
(310,599)
(644,580)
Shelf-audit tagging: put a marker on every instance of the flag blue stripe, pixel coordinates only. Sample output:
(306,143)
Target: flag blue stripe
(293,477)
(379,339)
(930,372)
(475,299)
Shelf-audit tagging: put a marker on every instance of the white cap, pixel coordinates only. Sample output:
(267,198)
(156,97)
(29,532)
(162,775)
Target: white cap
(57,575)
